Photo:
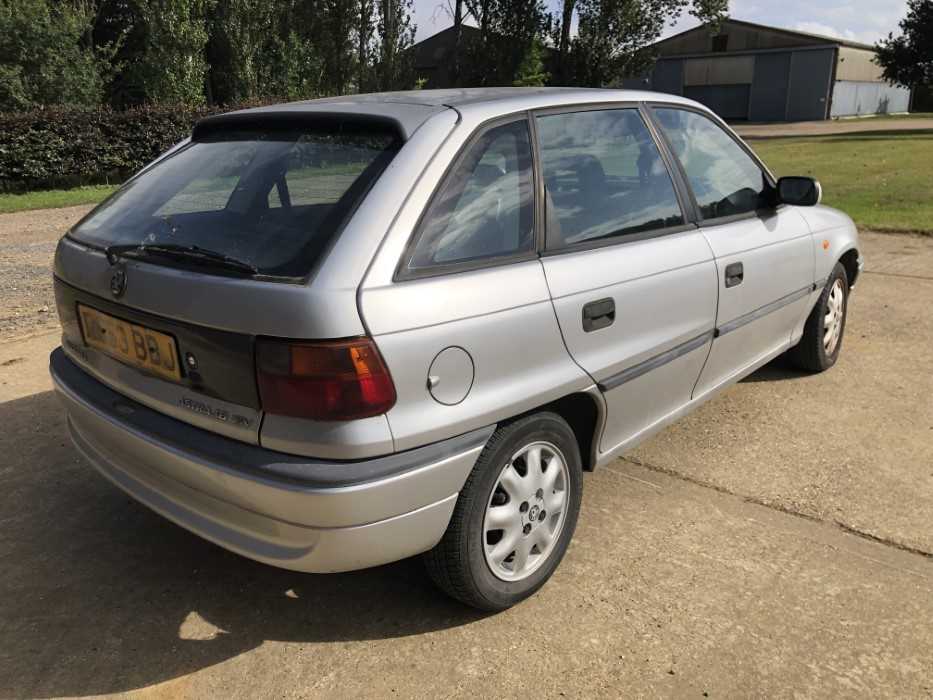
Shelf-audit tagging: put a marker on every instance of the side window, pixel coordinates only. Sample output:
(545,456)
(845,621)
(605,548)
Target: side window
(724,178)
(604,177)
(485,207)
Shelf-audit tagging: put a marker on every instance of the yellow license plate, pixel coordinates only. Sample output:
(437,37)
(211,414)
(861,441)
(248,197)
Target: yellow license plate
(135,345)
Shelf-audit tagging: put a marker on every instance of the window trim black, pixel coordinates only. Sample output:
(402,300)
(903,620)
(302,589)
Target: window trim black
(719,220)
(684,198)
(404,274)
(540,218)
(598,243)
(687,200)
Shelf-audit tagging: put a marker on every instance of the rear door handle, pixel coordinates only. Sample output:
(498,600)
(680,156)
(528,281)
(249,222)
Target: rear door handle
(735,273)
(599,314)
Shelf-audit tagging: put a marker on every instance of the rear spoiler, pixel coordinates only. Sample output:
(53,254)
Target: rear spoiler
(293,118)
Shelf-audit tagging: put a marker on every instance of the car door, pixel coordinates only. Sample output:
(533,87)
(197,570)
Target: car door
(461,313)
(764,254)
(632,279)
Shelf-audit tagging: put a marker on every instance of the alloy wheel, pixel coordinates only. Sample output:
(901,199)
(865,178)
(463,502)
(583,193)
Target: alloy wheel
(526,511)
(832,321)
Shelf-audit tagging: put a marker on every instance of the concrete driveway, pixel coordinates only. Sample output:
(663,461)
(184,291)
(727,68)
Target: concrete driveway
(777,542)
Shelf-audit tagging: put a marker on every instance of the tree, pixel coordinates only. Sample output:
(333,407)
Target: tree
(292,65)
(170,64)
(507,31)
(236,48)
(365,30)
(455,69)
(47,57)
(907,60)
(334,39)
(458,12)
(531,71)
(563,40)
(117,24)
(396,35)
(612,35)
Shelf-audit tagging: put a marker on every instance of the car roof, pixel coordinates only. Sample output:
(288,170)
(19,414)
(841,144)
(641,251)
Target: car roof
(409,109)
(463,97)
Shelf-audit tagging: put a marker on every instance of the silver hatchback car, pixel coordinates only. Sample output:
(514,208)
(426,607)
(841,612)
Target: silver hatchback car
(333,334)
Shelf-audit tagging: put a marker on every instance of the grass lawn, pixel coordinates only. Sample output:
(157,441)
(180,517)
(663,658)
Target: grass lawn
(50,199)
(884,181)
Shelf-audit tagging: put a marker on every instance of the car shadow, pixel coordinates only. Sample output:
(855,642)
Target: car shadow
(779,369)
(100,595)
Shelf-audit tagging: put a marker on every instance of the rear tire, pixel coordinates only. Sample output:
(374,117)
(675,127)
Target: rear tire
(515,515)
(821,342)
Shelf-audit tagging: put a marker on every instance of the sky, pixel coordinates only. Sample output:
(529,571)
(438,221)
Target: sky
(856,20)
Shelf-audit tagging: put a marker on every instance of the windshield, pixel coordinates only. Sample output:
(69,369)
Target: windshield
(271,200)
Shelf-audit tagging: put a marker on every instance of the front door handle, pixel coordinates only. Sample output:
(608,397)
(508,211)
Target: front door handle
(735,273)
(599,314)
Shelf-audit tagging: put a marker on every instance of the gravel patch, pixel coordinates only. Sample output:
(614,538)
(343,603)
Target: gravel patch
(27,245)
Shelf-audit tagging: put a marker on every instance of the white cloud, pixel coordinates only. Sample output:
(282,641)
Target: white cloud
(867,37)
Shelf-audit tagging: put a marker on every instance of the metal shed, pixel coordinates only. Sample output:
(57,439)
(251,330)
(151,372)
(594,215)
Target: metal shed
(747,71)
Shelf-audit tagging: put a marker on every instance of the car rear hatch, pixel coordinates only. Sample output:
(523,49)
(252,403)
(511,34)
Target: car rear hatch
(164,289)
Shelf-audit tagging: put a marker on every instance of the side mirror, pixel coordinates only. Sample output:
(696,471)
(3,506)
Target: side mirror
(799,191)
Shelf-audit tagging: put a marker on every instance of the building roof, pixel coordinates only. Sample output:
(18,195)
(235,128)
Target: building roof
(809,38)
(447,34)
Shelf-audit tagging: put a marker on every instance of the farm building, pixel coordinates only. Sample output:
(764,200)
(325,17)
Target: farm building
(752,72)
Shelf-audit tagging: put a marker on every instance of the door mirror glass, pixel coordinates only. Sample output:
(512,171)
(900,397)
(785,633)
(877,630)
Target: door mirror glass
(799,191)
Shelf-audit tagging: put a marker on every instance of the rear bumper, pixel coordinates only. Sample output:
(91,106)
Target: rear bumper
(292,512)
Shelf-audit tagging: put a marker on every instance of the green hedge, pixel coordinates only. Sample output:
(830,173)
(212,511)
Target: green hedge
(65,147)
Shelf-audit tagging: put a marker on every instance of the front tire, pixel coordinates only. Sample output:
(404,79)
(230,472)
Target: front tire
(821,343)
(515,515)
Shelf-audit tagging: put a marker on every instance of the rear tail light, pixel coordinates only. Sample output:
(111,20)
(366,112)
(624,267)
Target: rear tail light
(330,380)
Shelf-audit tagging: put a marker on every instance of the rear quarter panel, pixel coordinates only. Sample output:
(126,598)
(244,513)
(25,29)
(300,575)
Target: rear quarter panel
(502,317)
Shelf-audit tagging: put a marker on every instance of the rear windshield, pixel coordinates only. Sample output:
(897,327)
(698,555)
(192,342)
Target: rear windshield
(269,199)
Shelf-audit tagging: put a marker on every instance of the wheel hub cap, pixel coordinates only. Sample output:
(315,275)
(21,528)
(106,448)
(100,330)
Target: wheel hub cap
(832,321)
(525,512)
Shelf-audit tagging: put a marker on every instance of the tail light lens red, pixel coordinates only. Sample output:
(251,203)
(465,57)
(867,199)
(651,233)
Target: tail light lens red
(331,380)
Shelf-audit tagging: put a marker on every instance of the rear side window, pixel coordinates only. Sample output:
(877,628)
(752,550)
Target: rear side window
(725,180)
(272,199)
(604,177)
(485,207)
